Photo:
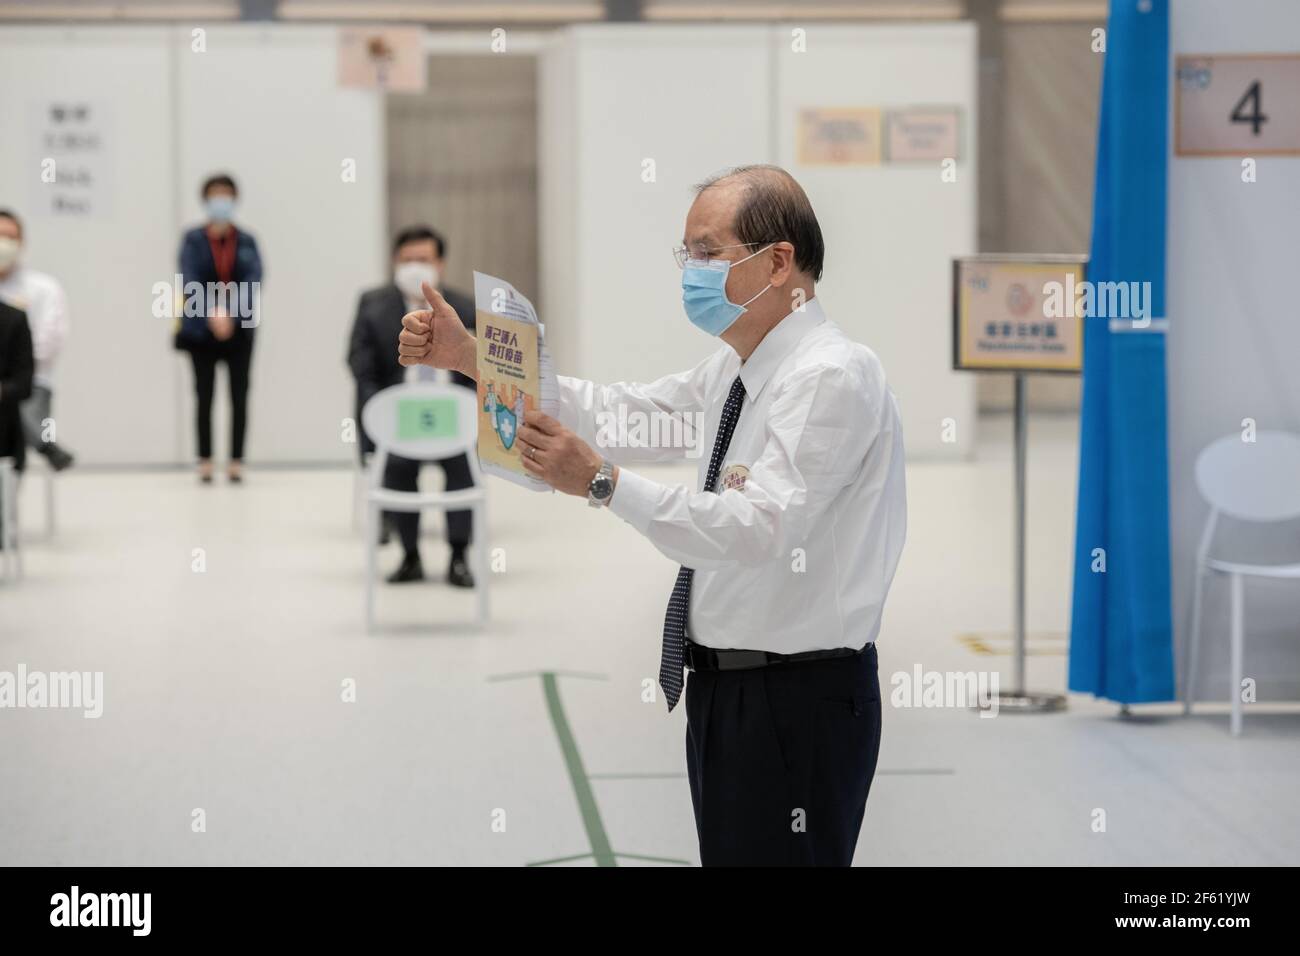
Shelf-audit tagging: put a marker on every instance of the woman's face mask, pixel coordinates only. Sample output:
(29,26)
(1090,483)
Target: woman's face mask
(220,208)
(704,293)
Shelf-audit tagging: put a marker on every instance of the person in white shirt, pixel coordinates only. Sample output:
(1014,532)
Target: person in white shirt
(42,298)
(788,545)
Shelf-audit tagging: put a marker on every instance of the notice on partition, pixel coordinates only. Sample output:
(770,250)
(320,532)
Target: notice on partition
(71,140)
(839,137)
(382,58)
(924,134)
(514,375)
(1018,314)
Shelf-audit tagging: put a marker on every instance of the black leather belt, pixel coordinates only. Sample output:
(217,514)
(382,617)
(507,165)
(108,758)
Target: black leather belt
(701,658)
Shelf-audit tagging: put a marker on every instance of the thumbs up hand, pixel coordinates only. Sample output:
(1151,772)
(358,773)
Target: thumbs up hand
(436,337)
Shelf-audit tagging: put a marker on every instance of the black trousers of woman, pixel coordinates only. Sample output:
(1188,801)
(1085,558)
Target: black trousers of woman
(237,353)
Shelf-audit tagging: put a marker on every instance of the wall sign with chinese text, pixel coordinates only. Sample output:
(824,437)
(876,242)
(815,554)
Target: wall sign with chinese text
(923,134)
(839,137)
(72,167)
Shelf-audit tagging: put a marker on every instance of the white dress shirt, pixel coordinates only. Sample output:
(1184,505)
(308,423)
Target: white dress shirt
(800,556)
(42,298)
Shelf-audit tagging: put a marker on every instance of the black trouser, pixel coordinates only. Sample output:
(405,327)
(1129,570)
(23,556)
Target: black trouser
(237,353)
(780,760)
(403,474)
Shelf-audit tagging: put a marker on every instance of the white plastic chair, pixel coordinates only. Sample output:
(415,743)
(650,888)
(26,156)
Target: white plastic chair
(13,556)
(358,490)
(425,422)
(1255,481)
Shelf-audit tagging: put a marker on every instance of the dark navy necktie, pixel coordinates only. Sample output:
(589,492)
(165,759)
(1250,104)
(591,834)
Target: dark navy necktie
(679,605)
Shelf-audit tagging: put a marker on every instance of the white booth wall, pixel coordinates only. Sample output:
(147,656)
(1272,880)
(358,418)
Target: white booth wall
(695,99)
(1233,347)
(260,102)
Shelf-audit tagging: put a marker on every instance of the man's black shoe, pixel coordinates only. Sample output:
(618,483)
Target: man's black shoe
(58,458)
(411,570)
(458,574)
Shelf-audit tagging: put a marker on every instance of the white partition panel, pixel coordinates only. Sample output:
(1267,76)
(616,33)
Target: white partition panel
(640,113)
(117,380)
(1232,347)
(263,104)
(690,100)
(260,102)
(891,230)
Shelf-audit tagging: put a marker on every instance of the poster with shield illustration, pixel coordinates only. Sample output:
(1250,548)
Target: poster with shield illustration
(507,386)
(515,375)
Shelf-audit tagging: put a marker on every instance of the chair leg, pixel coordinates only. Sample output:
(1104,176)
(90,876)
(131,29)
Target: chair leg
(15,532)
(6,519)
(1193,642)
(1238,638)
(372,545)
(482,569)
(359,503)
(49,502)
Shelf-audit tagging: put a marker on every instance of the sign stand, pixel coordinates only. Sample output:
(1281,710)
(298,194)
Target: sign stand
(1019,700)
(1002,322)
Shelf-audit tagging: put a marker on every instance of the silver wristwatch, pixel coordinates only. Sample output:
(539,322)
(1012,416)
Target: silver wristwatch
(601,488)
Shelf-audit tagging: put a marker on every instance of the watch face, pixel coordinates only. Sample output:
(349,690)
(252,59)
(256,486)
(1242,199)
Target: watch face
(601,487)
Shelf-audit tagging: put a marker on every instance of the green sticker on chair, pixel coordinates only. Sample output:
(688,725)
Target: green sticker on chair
(419,418)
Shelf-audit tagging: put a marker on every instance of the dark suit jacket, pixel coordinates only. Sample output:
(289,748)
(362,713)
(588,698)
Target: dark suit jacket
(197,265)
(372,355)
(17,365)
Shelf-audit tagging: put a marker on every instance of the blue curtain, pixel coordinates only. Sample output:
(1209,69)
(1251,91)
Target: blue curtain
(1121,632)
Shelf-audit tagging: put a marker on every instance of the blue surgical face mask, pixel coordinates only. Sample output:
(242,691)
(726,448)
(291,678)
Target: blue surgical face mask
(704,293)
(220,208)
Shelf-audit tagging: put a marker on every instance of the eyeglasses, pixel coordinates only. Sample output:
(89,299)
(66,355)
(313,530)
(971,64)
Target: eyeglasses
(682,253)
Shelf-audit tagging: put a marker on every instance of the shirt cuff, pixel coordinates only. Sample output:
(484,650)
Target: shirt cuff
(635,499)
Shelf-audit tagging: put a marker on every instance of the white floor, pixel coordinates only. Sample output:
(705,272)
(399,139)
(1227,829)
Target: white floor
(223,692)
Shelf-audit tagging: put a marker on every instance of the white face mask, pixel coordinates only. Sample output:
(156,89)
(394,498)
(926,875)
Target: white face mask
(9,249)
(409,275)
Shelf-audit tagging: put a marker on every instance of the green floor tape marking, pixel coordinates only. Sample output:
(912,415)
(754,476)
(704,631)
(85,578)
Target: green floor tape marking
(601,852)
(600,848)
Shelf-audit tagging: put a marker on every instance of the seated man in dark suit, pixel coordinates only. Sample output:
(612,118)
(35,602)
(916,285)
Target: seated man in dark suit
(17,365)
(417,257)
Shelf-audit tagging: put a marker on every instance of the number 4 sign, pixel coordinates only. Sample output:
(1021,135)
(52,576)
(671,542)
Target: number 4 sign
(1237,105)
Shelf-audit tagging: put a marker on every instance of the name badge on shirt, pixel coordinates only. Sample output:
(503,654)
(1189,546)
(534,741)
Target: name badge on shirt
(733,476)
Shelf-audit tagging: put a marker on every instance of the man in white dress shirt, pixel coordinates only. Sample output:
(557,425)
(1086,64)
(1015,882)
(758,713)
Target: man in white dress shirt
(788,543)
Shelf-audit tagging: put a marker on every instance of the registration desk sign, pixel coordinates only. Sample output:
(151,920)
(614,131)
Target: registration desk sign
(1017,313)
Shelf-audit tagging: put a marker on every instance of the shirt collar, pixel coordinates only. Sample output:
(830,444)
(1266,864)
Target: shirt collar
(777,344)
